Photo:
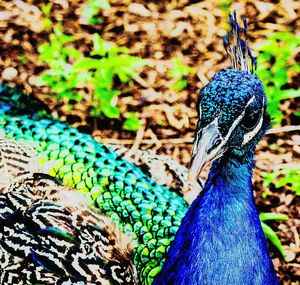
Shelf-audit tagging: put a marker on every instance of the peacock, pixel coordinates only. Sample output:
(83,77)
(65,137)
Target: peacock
(220,240)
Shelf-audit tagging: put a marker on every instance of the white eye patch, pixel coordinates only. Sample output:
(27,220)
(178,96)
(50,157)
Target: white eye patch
(236,122)
(248,136)
(200,112)
(195,147)
(214,125)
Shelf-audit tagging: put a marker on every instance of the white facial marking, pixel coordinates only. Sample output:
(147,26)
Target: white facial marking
(233,126)
(214,122)
(198,132)
(248,136)
(200,111)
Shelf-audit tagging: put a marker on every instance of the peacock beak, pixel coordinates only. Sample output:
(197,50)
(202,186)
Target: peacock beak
(208,146)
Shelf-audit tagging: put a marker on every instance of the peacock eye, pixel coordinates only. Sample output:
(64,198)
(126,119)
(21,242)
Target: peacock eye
(250,119)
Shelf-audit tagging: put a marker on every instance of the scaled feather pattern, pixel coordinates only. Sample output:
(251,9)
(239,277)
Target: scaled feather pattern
(137,204)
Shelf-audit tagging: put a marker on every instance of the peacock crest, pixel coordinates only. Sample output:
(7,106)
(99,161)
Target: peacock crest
(235,44)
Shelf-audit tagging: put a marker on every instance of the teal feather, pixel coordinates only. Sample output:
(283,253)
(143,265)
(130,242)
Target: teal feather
(137,204)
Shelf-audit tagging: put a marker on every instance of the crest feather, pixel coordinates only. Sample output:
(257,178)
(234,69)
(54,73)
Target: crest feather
(235,44)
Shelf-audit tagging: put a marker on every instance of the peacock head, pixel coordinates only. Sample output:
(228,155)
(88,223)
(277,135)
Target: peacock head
(232,115)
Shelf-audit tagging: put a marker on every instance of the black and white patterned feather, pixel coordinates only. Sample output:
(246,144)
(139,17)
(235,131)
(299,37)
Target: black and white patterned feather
(15,158)
(48,235)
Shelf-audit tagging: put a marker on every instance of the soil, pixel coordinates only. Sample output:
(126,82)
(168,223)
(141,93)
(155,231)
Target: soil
(159,31)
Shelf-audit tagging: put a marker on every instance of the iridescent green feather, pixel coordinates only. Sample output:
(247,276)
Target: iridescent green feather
(121,190)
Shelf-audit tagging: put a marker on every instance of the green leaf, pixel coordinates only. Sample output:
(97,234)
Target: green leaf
(179,70)
(60,87)
(123,66)
(74,53)
(224,5)
(179,85)
(70,95)
(297,113)
(290,93)
(46,8)
(116,50)
(109,111)
(268,178)
(93,8)
(273,216)
(89,12)
(103,4)
(103,78)
(101,47)
(272,236)
(273,69)
(290,176)
(283,177)
(95,21)
(87,63)
(132,122)
(70,71)
(47,24)
(104,98)
(61,37)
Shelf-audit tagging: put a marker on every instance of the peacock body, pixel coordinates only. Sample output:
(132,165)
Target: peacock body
(137,204)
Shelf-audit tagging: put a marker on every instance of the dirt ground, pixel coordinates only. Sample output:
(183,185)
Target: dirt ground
(159,31)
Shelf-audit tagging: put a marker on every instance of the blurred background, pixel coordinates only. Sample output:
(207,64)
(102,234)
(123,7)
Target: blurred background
(128,73)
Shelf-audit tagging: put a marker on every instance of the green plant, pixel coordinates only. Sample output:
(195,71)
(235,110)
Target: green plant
(23,58)
(283,177)
(180,73)
(70,72)
(92,9)
(132,123)
(274,66)
(61,77)
(46,9)
(224,6)
(269,232)
(108,61)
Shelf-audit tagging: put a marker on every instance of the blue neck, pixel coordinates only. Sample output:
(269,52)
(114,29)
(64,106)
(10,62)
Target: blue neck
(220,240)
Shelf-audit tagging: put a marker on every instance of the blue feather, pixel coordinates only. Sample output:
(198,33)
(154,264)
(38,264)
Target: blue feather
(221,240)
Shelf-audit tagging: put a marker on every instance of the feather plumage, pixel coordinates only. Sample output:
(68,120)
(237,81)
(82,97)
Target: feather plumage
(235,44)
(137,204)
(49,235)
